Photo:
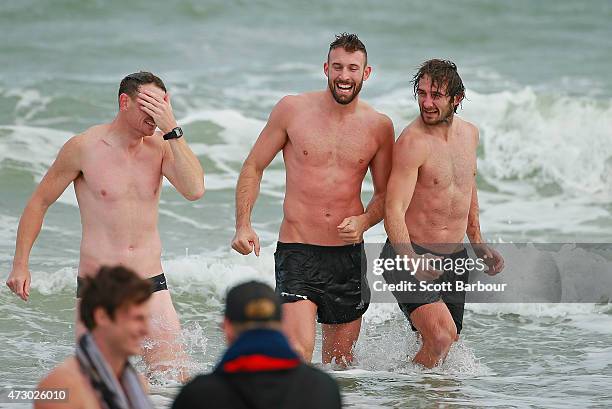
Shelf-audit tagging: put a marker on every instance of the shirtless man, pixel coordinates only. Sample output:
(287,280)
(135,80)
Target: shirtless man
(115,308)
(117,171)
(432,200)
(329,139)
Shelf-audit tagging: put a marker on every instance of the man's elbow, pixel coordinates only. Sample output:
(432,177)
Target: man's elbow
(195,194)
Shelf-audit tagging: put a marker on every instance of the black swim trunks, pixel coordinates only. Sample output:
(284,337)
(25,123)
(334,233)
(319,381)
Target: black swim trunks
(158,283)
(332,277)
(409,301)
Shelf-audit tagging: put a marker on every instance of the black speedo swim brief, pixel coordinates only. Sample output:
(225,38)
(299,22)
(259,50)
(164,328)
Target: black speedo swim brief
(158,283)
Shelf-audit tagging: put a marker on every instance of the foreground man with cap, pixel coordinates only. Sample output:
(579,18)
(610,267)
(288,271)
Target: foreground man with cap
(259,369)
(115,310)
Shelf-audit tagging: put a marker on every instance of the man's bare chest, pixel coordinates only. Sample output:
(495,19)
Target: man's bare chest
(324,146)
(116,178)
(449,165)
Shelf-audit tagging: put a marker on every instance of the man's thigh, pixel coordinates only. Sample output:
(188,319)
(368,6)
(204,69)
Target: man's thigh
(164,319)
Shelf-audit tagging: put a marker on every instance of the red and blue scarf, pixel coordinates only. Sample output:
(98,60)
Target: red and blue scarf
(259,350)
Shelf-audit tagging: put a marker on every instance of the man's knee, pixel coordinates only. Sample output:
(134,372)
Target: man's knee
(440,341)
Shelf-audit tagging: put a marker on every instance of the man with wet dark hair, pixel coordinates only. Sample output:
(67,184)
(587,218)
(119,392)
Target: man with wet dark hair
(441,72)
(329,140)
(116,312)
(432,203)
(117,170)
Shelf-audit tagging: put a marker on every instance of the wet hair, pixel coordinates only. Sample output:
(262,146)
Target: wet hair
(129,85)
(111,289)
(350,42)
(441,72)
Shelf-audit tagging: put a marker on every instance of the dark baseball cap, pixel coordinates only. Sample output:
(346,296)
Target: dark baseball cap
(252,301)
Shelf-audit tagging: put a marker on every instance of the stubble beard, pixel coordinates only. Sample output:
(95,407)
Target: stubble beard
(447,119)
(341,99)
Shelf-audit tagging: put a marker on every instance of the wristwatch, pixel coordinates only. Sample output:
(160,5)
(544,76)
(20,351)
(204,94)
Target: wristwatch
(174,134)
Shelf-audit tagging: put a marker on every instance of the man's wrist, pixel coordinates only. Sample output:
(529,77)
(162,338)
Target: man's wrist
(20,265)
(243,225)
(365,220)
(169,129)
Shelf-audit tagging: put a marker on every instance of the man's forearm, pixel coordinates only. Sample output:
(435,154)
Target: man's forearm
(375,210)
(189,172)
(29,227)
(247,191)
(397,231)
(473,229)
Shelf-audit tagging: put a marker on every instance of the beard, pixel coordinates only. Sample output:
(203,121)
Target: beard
(445,116)
(344,99)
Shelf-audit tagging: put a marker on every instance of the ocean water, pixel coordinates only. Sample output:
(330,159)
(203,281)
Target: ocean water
(539,89)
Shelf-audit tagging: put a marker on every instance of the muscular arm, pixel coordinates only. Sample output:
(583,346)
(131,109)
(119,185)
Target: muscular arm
(270,141)
(409,154)
(182,168)
(380,167)
(64,170)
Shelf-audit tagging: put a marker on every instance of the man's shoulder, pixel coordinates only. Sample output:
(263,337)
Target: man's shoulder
(323,384)
(294,100)
(469,128)
(413,135)
(373,116)
(205,386)
(87,137)
(204,383)
(64,375)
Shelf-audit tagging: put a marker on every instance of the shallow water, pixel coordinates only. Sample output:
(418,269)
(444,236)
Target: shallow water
(538,88)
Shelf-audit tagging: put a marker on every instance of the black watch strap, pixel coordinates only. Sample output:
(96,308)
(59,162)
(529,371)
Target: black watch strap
(174,134)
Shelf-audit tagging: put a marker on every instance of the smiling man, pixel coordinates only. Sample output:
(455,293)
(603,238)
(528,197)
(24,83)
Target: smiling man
(115,309)
(432,203)
(329,140)
(117,170)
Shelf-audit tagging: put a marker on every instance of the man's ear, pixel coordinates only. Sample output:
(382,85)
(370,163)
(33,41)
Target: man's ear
(101,317)
(229,331)
(123,101)
(367,72)
(326,69)
(457,100)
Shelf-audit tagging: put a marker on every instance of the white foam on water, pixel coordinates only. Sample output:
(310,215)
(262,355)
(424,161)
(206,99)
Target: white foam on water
(30,102)
(547,139)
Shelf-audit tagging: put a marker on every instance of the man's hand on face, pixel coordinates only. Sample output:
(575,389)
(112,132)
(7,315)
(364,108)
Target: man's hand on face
(351,229)
(158,108)
(491,258)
